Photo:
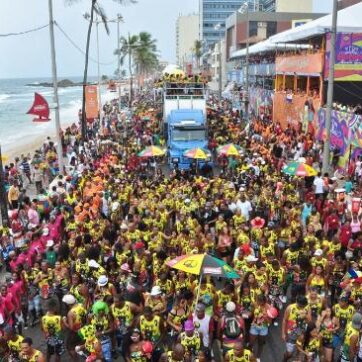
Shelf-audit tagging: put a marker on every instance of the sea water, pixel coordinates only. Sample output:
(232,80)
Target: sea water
(16,98)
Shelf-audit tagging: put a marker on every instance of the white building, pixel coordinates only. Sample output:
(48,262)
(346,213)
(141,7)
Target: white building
(187,31)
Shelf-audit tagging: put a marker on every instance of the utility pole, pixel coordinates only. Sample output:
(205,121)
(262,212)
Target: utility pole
(218,28)
(3,199)
(119,18)
(332,59)
(55,89)
(246,90)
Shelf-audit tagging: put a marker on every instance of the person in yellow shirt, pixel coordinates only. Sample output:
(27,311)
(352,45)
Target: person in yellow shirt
(13,195)
(52,326)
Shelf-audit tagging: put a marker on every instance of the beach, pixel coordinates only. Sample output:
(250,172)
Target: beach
(18,134)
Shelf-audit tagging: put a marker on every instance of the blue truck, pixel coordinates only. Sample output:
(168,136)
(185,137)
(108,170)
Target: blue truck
(184,112)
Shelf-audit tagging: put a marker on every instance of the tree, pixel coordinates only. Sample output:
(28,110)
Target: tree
(145,55)
(95,8)
(198,51)
(127,49)
(104,78)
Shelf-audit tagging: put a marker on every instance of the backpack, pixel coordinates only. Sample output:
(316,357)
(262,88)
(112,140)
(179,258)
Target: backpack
(232,327)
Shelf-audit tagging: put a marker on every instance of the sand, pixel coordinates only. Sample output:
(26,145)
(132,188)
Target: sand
(30,144)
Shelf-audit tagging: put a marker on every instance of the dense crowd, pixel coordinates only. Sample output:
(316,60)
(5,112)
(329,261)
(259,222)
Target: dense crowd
(87,257)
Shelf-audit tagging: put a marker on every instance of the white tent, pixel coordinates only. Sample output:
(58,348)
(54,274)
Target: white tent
(171,68)
(349,21)
(267,46)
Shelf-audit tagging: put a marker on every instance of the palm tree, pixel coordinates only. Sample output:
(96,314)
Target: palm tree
(127,49)
(198,51)
(145,55)
(96,8)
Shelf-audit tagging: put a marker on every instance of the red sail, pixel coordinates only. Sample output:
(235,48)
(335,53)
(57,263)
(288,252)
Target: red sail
(40,108)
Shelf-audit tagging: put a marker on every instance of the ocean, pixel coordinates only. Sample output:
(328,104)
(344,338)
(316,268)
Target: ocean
(16,98)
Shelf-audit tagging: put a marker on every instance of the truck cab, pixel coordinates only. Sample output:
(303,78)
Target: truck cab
(184,120)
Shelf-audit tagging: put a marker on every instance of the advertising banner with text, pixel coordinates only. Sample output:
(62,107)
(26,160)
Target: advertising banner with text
(91,101)
(300,64)
(348,65)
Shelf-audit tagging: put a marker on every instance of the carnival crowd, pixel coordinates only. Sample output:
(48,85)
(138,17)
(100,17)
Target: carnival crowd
(86,257)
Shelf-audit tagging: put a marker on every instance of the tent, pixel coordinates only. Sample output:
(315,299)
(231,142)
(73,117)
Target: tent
(348,21)
(267,46)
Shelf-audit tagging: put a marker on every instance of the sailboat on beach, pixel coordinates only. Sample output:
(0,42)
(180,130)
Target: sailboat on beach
(40,108)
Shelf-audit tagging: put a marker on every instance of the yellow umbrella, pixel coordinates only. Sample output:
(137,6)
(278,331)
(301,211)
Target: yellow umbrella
(152,151)
(228,150)
(197,154)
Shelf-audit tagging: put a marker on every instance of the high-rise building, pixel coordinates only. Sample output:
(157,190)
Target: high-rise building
(212,18)
(187,31)
(213,13)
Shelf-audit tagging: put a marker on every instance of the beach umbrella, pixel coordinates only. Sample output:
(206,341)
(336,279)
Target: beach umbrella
(203,264)
(228,150)
(197,154)
(295,168)
(152,151)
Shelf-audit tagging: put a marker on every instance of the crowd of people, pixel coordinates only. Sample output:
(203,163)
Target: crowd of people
(87,257)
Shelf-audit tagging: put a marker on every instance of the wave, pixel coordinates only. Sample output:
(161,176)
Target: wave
(4,96)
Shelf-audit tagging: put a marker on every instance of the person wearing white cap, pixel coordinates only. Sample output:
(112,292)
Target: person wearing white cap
(104,288)
(156,301)
(318,259)
(230,328)
(74,321)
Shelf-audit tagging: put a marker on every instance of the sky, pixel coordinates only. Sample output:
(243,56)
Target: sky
(28,56)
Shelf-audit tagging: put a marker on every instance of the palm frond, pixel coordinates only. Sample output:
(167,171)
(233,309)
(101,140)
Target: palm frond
(101,13)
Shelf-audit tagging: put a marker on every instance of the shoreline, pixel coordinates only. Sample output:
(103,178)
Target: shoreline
(32,143)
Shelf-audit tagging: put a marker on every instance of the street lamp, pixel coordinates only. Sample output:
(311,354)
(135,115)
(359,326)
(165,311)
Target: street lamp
(218,28)
(244,9)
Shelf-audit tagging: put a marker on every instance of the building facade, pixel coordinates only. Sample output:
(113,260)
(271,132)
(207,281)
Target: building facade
(212,19)
(187,31)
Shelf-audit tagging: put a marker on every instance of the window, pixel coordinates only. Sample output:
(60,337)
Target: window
(188,134)
(253,28)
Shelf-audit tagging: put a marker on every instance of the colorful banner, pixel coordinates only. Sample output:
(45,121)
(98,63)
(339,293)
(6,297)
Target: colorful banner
(260,101)
(300,64)
(348,65)
(293,112)
(91,101)
(346,131)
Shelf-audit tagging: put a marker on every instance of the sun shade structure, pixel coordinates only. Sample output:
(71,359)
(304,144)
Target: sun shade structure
(349,20)
(299,169)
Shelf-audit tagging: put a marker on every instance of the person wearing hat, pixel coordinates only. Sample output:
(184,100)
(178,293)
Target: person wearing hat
(156,300)
(102,322)
(230,328)
(295,321)
(104,288)
(73,321)
(190,339)
(350,345)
